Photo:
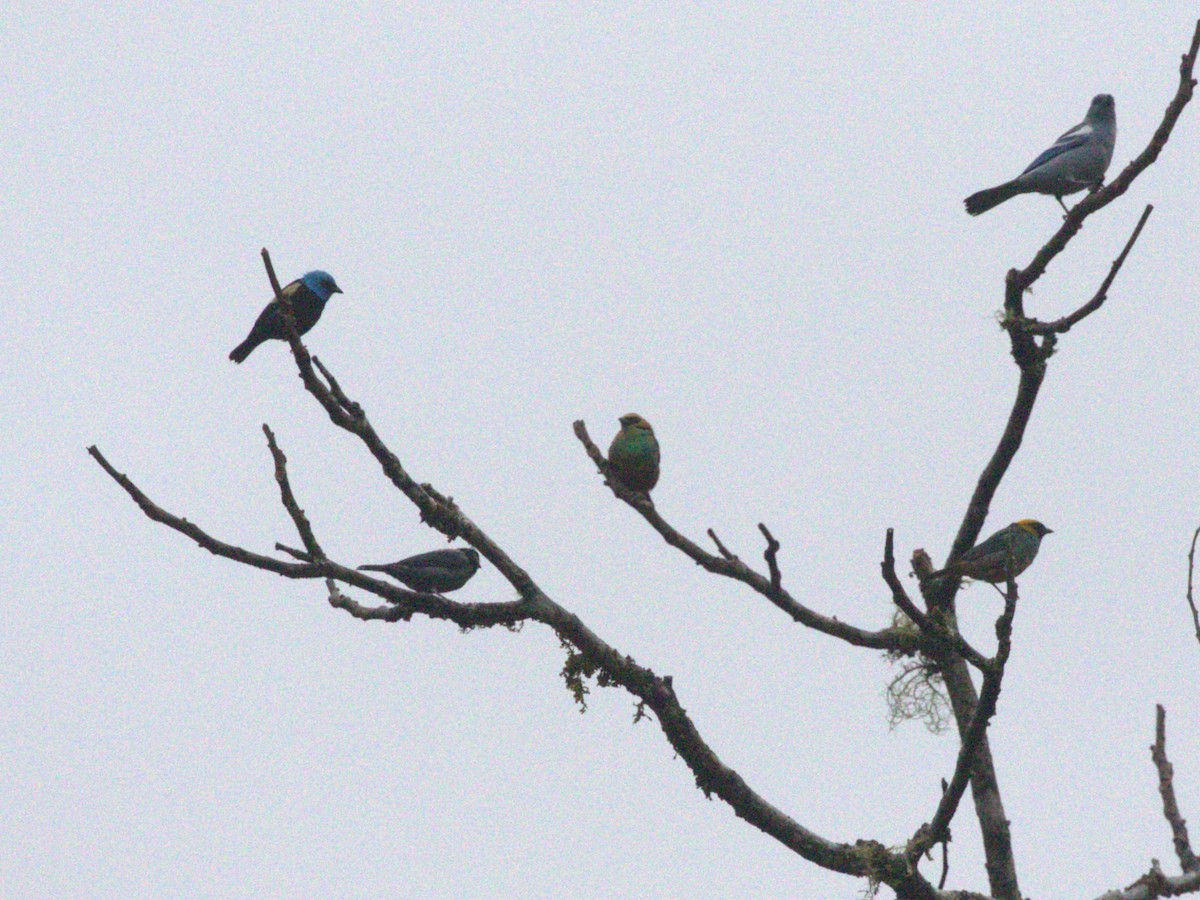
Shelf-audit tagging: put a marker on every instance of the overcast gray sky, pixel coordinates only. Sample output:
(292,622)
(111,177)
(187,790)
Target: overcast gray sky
(744,223)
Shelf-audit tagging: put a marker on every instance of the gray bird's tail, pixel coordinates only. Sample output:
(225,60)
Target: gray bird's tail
(375,569)
(982,201)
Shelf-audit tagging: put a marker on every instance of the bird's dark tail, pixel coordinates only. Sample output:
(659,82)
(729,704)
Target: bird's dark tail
(982,201)
(374,569)
(244,349)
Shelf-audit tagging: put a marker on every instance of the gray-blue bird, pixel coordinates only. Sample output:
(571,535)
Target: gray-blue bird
(438,571)
(1077,160)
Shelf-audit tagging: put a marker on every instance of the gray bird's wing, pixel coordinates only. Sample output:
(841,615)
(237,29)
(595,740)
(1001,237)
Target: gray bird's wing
(1076,137)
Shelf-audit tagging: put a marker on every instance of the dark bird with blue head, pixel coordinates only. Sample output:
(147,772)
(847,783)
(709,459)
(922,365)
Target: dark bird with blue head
(437,571)
(308,294)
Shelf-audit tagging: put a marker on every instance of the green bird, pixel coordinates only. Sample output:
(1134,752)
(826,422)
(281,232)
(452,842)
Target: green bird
(633,454)
(1006,553)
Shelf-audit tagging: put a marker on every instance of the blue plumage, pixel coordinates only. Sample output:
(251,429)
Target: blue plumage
(1062,146)
(308,295)
(1077,160)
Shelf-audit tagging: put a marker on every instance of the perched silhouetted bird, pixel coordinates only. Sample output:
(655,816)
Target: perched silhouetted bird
(633,454)
(1007,552)
(308,295)
(437,571)
(1077,160)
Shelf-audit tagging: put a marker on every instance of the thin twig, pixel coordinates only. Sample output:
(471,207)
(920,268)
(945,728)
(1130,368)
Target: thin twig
(1191,601)
(211,544)
(899,595)
(945,848)
(266,257)
(466,615)
(1063,325)
(1166,787)
(293,552)
(336,390)
(721,548)
(936,638)
(771,556)
(303,527)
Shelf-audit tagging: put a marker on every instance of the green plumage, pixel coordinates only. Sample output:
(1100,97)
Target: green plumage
(634,455)
(1007,553)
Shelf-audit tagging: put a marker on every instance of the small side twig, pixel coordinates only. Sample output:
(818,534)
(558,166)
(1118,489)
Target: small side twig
(721,548)
(936,635)
(945,848)
(1166,787)
(303,526)
(271,274)
(771,556)
(335,389)
(219,548)
(900,596)
(465,615)
(1191,601)
(293,552)
(1063,325)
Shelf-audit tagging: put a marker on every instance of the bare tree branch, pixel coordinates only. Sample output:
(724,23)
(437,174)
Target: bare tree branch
(266,257)
(729,566)
(1191,601)
(1063,325)
(936,638)
(1031,357)
(899,595)
(935,633)
(313,549)
(771,555)
(1166,787)
(212,545)
(465,615)
(867,859)
(721,548)
(989,480)
(972,736)
(1155,884)
(1021,281)
(945,848)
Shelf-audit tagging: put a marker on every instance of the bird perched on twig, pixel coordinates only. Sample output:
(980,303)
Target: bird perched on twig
(1077,160)
(308,294)
(1006,554)
(437,571)
(633,454)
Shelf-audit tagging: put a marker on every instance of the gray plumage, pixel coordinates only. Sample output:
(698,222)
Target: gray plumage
(437,572)
(1077,160)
